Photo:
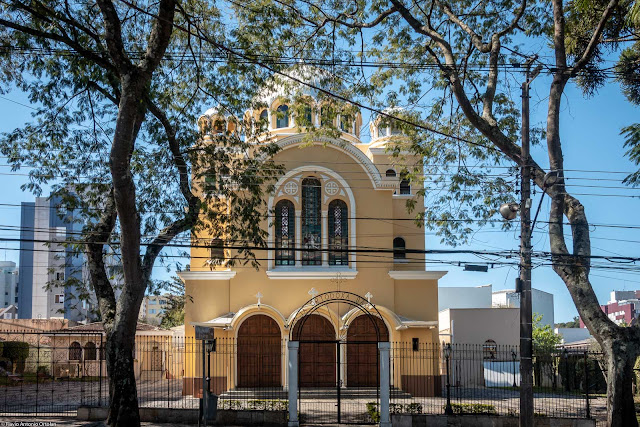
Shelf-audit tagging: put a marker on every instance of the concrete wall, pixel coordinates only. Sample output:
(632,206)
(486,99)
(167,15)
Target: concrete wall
(483,421)
(477,325)
(464,297)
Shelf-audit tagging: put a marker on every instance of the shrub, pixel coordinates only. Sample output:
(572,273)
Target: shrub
(42,371)
(473,408)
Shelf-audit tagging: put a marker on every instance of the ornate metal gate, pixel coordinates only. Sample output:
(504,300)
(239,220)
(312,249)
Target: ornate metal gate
(338,369)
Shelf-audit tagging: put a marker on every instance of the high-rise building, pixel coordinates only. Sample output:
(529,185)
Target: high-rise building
(51,275)
(8,284)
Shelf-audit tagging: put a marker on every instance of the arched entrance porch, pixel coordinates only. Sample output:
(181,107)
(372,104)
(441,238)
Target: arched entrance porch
(363,334)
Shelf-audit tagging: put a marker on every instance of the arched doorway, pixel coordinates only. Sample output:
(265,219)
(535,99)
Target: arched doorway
(259,353)
(362,350)
(317,359)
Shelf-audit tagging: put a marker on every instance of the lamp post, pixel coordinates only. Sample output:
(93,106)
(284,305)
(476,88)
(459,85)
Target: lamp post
(447,357)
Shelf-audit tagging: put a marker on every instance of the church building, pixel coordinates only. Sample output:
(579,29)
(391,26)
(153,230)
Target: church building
(338,222)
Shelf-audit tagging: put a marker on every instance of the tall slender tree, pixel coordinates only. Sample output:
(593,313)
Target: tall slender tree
(118,88)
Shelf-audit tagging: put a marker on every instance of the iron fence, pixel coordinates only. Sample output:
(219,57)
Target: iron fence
(53,373)
(485,379)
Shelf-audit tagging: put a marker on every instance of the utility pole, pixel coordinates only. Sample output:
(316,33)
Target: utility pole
(526,317)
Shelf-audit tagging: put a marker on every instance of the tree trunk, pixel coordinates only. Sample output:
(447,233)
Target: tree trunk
(123,407)
(620,355)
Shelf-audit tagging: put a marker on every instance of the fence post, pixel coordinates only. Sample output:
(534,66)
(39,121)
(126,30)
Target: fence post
(586,383)
(101,354)
(384,347)
(293,383)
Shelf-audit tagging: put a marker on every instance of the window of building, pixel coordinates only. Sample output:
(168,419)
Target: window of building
(307,117)
(391,173)
(60,276)
(405,185)
(326,116)
(218,126)
(285,226)
(59,298)
(346,123)
(399,248)
(152,311)
(282,119)
(217,251)
(90,352)
(75,351)
(489,350)
(311,222)
(264,115)
(338,233)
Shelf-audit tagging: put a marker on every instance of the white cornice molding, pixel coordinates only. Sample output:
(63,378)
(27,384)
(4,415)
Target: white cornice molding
(304,273)
(207,275)
(416,275)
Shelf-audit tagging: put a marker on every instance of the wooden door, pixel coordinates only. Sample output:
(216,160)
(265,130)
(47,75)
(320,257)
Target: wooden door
(259,353)
(317,360)
(362,358)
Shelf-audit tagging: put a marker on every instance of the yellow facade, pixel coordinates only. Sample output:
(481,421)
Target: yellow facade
(359,174)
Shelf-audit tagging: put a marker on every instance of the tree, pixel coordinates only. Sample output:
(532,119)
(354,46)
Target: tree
(16,351)
(575,323)
(173,314)
(118,89)
(545,343)
(446,58)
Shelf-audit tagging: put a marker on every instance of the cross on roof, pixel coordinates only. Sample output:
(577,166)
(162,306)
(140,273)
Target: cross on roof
(259,296)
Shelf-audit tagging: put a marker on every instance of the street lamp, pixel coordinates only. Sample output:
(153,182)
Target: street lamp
(447,357)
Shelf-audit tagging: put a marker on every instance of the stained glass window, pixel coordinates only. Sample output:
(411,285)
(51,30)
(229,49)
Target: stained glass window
(285,233)
(311,222)
(338,233)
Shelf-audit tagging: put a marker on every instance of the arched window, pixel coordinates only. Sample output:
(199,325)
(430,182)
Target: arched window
(217,252)
(391,173)
(489,350)
(326,116)
(90,351)
(338,233)
(264,115)
(218,126)
(346,124)
(405,184)
(311,222)
(75,351)
(307,118)
(399,248)
(282,119)
(285,225)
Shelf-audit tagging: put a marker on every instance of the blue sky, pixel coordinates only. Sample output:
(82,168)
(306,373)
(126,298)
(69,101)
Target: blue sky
(591,141)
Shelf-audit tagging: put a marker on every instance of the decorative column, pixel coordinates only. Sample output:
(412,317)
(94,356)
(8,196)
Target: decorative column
(298,239)
(293,384)
(325,238)
(385,375)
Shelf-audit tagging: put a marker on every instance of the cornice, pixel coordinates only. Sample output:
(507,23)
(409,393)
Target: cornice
(416,274)
(207,275)
(303,273)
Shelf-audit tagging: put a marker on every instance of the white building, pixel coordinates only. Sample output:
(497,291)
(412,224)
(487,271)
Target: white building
(464,297)
(8,284)
(541,303)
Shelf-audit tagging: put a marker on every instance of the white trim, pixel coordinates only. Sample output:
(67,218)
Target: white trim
(346,147)
(311,273)
(416,275)
(207,275)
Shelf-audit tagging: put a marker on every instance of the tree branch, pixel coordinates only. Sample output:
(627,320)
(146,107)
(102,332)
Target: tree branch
(595,39)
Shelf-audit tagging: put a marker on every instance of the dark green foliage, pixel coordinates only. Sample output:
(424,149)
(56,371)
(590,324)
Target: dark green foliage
(473,408)
(17,353)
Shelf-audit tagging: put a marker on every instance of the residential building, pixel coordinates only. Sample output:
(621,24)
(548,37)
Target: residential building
(153,307)
(325,204)
(47,268)
(622,308)
(10,312)
(572,335)
(8,284)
